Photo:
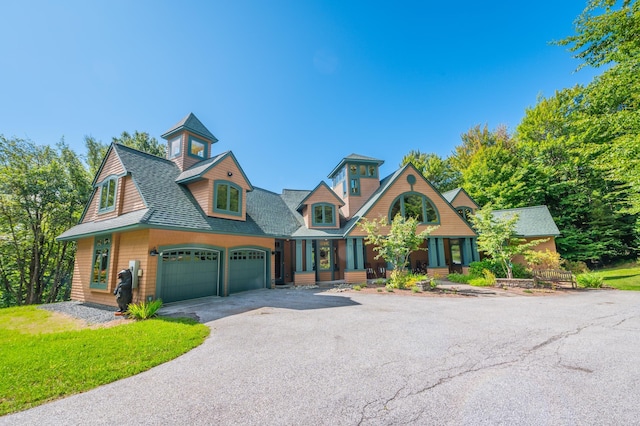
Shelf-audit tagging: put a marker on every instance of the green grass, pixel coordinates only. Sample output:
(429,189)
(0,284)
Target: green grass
(46,356)
(625,278)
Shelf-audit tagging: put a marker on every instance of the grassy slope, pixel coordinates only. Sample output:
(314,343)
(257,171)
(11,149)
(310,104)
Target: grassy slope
(622,278)
(46,356)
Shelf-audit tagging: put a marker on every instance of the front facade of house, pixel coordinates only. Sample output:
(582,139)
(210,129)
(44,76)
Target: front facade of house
(192,224)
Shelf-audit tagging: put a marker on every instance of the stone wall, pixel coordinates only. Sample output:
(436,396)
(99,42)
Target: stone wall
(515,282)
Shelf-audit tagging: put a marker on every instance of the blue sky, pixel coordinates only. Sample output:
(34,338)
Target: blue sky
(291,86)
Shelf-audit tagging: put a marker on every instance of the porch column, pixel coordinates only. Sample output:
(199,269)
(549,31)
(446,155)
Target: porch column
(309,256)
(432,251)
(475,255)
(360,253)
(298,255)
(441,260)
(350,261)
(466,251)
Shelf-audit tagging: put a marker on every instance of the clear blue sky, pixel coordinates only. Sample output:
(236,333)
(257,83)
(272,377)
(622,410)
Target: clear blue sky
(291,87)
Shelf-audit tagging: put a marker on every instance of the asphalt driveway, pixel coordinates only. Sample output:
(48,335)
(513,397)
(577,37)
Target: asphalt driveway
(310,357)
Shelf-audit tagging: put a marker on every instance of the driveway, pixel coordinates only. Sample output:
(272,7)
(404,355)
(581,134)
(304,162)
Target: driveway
(312,357)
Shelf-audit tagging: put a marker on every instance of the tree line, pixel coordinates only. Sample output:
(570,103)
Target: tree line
(578,152)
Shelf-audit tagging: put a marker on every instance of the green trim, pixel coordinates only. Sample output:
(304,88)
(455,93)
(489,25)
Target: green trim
(303,202)
(323,213)
(102,248)
(425,200)
(201,141)
(229,186)
(189,246)
(108,207)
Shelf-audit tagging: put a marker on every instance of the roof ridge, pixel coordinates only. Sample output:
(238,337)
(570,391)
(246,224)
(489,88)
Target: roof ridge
(137,151)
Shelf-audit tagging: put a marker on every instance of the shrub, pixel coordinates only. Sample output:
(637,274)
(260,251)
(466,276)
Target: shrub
(590,280)
(458,278)
(144,310)
(389,288)
(479,282)
(577,267)
(489,277)
(398,279)
(476,269)
(543,259)
(357,288)
(415,289)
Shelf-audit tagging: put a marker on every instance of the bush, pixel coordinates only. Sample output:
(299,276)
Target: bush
(577,267)
(476,269)
(479,282)
(590,280)
(144,310)
(543,259)
(458,278)
(415,289)
(489,277)
(357,288)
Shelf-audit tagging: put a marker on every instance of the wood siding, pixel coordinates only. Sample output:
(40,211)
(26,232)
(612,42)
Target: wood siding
(322,195)
(202,191)
(451,224)
(221,172)
(131,198)
(355,277)
(548,245)
(304,278)
(463,200)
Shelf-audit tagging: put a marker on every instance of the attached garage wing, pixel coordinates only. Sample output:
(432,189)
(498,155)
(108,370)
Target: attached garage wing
(247,270)
(188,274)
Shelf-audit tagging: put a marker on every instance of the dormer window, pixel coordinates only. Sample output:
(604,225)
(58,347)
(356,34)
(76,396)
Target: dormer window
(197,148)
(175,147)
(465,212)
(228,198)
(108,195)
(323,215)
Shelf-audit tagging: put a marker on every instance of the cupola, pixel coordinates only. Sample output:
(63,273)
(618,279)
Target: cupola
(188,142)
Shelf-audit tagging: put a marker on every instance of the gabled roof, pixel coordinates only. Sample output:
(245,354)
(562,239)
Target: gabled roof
(196,171)
(320,185)
(450,196)
(192,124)
(354,158)
(533,221)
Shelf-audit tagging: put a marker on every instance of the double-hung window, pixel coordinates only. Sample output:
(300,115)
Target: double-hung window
(227,198)
(108,195)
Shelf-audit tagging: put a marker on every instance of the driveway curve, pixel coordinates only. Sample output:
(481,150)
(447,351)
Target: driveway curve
(312,357)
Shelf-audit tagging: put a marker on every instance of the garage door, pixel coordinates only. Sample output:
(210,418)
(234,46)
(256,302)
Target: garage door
(247,270)
(189,273)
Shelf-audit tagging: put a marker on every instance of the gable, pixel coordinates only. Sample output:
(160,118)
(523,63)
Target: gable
(462,199)
(450,223)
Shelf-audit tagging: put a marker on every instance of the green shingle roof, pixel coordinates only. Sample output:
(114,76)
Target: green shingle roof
(533,221)
(192,124)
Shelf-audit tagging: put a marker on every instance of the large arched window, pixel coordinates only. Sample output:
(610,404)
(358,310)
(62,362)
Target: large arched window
(412,204)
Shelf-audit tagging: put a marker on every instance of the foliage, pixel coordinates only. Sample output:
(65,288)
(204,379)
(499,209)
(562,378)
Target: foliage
(489,277)
(357,288)
(394,243)
(415,289)
(459,278)
(476,269)
(589,280)
(436,170)
(576,267)
(497,238)
(543,259)
(144,310)
(43,191)
(37,367)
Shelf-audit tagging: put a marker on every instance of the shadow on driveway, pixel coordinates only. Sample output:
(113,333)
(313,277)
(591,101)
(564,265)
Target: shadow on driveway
(212,308)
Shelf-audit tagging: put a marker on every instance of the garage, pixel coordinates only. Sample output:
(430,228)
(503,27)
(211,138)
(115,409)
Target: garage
(247,270)
(188,274)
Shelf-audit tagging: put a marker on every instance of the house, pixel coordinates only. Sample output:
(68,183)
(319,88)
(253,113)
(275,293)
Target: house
(192,224)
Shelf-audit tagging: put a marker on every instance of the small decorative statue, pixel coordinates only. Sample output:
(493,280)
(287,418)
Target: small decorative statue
(123,291)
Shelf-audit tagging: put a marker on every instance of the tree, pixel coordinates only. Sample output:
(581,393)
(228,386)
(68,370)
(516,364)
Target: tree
(436,170)
(43,192)
(396,241)
(497,238)
(141,141)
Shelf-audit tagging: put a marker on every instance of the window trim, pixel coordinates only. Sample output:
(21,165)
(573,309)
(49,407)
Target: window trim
(106,183)
(206,150)
(425,200)
(98,246)
(230,185)
(324,223)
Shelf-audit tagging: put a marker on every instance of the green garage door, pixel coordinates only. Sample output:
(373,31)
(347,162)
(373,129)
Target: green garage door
(247,270)
(188,274)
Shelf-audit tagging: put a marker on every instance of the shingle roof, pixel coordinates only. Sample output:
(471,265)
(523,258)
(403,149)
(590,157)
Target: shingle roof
(192,124)
(117,223)
(271,213)
(533,221)
(356,158)
(451,195)
(198,169)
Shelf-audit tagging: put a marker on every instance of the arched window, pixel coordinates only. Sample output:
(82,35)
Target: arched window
(465,212)
(412,204)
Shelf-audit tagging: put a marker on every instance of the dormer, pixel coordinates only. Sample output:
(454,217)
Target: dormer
(462,202)
(188,142)
(355,179)
(320,209)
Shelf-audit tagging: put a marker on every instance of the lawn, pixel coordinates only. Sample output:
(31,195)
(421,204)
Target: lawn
(625,278)
(46,356)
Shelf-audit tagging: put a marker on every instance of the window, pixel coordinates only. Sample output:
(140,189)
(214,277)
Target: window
(414,205)
(227,198)
(465,212)
(324,255)
(355,186)
(108,195)
(101,250)
(197,148)
(456,252)
(323,215)
(175,146)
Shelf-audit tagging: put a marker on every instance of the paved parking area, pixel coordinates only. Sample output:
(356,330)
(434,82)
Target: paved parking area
(310,357)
